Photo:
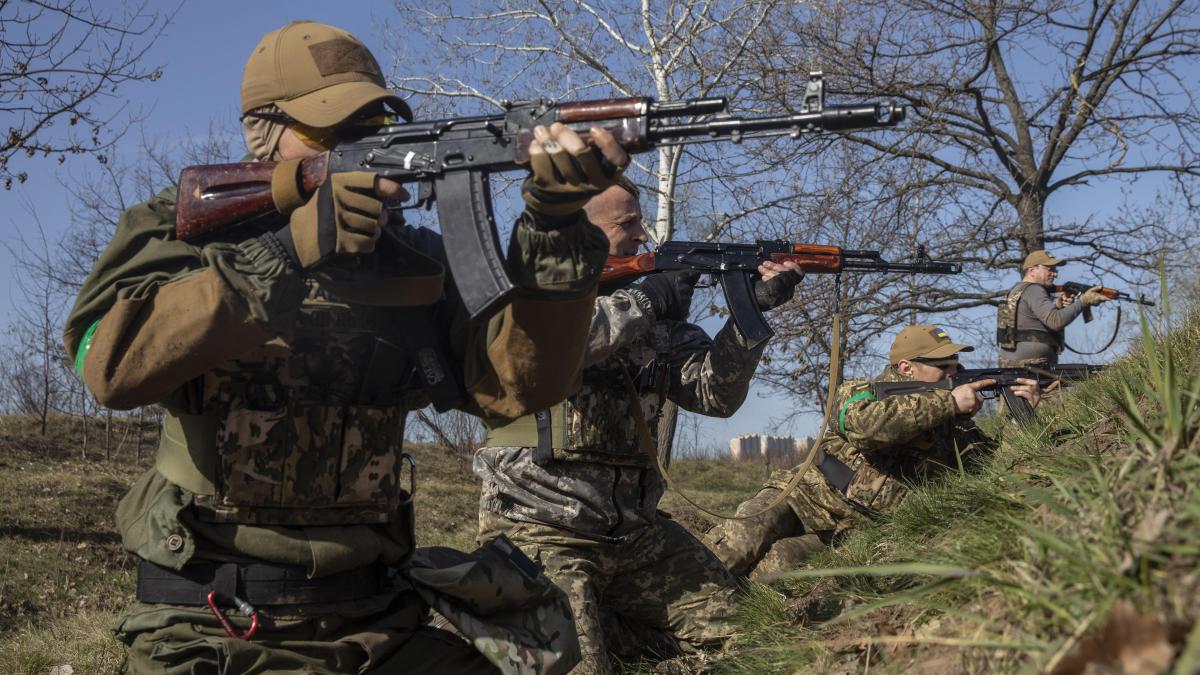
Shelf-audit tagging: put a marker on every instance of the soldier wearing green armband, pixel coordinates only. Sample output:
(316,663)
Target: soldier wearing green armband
(874,451)
(275,531)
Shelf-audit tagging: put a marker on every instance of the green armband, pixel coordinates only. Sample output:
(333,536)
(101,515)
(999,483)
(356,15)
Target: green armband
(84,345)
(857,397)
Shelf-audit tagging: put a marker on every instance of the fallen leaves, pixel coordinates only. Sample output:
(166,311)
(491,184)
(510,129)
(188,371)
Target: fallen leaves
(1133,643)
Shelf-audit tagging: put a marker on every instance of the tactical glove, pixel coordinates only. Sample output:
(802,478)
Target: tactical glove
(1092,297)
(669,294)
(777,290)
(285,187)
(342,218)
(562,182)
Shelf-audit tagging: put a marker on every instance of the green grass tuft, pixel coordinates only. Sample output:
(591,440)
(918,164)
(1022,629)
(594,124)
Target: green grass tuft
(1010,566)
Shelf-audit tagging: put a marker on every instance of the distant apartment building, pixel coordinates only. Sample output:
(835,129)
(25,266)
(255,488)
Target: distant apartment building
(774,449)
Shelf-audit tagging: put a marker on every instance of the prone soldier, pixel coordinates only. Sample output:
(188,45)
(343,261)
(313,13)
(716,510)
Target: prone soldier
(275,531)
(873,452)
(576,486)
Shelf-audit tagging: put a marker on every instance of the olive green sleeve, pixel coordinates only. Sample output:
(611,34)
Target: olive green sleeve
(156,312)
(869,424)
(529,355)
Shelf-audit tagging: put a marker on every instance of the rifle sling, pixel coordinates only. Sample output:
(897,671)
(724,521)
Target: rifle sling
(816,457)
(1111,339)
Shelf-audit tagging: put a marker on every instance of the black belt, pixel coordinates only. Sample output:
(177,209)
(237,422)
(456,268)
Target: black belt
(1030,335)
(257,583)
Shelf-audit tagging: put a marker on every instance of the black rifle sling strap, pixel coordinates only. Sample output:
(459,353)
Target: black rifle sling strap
(814,452)
(1112,338)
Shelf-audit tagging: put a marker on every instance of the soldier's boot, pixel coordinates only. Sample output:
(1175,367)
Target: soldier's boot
(741,544)
(787,554)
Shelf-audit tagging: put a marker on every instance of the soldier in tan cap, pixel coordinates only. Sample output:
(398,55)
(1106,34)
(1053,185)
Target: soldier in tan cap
(874,450)
(1030,324)
(275,532)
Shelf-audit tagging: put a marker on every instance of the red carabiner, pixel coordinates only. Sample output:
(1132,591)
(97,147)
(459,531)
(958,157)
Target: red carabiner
(244,607)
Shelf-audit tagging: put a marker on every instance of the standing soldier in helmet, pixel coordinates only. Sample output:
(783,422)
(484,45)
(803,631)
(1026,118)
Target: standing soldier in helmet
(275,530)
(1030,325)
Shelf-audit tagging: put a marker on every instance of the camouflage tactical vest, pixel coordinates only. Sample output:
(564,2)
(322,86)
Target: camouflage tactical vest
(309,431)
(595,424)
(1006,317)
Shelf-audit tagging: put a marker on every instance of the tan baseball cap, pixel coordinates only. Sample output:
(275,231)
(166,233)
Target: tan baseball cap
(925,342)
(316,73)
(1040,258)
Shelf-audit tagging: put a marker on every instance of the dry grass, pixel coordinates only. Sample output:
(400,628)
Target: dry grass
(64,576)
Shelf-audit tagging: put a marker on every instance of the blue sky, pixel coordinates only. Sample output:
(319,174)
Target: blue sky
(202,54)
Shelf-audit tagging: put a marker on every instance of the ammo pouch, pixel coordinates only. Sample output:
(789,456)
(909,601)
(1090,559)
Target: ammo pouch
(504,605)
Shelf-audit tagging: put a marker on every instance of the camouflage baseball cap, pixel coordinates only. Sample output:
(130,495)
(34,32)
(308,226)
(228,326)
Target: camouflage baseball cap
(1041,258)
(925,342)
(316,73)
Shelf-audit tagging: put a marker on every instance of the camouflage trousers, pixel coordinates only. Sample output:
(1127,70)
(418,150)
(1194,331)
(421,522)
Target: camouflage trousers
(166,639)
(783,537)
(658,595)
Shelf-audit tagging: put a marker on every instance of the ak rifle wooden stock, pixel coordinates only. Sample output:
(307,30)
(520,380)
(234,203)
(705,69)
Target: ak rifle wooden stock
(451,160)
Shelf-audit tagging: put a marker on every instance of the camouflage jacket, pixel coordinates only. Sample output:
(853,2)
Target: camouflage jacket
(599,482)
(898,441)
(285,402)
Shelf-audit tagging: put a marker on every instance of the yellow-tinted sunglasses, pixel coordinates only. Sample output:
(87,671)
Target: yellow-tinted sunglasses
(325,138)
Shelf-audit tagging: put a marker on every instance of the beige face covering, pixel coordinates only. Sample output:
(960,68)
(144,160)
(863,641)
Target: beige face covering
(262,136)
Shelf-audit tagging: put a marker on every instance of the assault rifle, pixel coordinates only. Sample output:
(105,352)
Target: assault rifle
(735,266)
(1076,288)
(452,158)
(1004,378)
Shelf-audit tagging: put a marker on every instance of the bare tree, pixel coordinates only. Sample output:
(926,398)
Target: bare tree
(35,368)
(454,430)
(62,66)
(39,377)
(571,49)
(1016,101)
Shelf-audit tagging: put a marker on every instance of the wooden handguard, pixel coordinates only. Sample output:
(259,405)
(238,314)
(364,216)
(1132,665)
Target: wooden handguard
(616,268)
(213,197)
(604,109)
(813,258)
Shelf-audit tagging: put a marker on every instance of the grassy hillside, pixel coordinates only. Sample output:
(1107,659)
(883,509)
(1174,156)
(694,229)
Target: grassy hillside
(64,576)
(1077,544)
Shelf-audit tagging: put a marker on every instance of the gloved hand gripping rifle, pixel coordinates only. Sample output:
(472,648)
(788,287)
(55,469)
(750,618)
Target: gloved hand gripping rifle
(451,159)
(736,265)
(1076,288)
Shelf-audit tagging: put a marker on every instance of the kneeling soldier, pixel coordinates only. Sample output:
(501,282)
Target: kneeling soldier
(576,489)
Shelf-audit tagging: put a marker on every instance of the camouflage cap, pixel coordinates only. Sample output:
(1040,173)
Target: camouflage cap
(316,73)
(924,342)
(1040,258)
